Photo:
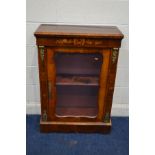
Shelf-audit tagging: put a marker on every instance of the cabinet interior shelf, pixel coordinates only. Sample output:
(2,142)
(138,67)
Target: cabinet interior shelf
(77,80)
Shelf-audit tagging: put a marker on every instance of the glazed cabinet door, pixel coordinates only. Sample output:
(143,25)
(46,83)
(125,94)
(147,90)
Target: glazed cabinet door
(76,83)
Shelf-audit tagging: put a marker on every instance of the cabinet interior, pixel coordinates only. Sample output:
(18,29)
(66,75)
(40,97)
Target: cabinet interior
(77,84)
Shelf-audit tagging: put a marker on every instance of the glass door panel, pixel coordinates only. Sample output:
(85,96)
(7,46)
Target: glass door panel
(77,84)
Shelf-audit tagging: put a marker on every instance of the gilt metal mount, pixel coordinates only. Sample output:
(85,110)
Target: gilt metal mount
(114,54)
(44,116)
(107,118)
(42,54)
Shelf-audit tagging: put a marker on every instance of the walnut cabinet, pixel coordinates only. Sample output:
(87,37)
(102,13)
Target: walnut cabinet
(77,69)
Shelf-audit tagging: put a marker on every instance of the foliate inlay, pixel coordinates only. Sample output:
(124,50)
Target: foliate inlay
(114,54)
(79,42)
(64,41)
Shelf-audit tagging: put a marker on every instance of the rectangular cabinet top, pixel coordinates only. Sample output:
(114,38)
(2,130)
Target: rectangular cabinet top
(79,31)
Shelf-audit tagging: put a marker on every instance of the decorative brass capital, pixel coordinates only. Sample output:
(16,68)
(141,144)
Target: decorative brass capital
(42,53)
(114,54)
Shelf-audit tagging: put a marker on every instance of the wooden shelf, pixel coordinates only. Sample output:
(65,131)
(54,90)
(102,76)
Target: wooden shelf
(77,80)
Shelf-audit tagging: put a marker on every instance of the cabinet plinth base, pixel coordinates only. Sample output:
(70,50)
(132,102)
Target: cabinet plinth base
(81,127)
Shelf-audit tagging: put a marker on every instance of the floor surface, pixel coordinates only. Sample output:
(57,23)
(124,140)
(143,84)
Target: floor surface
(115,143)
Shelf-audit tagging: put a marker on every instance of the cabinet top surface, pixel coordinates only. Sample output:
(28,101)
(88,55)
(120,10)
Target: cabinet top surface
(83,31)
